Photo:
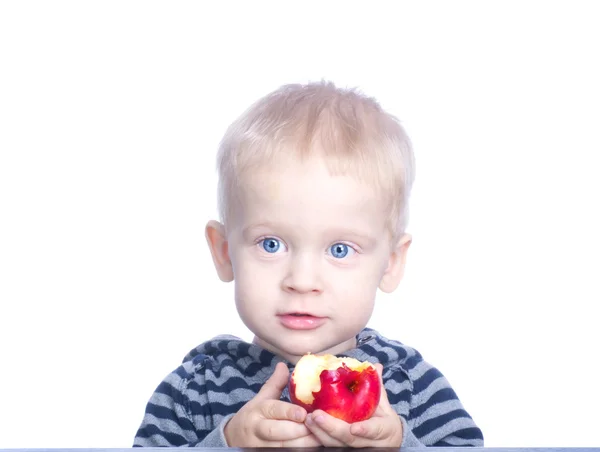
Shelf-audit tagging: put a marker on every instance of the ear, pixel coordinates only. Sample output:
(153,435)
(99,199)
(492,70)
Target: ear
(395,270)
(217,242)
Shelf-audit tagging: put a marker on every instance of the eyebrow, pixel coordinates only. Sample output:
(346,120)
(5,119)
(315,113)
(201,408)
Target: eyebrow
(266,225)
(249,231)
(366,239)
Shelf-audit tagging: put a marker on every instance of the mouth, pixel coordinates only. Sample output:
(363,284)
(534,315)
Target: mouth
(300,314)
(301,320)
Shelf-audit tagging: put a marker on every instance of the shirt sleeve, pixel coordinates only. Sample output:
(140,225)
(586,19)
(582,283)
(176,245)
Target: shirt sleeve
(437,417)
(168,421)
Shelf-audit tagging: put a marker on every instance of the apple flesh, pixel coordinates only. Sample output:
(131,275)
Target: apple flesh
(346,388)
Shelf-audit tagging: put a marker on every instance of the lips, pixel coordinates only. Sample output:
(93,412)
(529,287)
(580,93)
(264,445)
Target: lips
(301,320)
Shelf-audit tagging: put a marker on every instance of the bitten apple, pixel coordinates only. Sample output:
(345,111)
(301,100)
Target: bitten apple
(346,388)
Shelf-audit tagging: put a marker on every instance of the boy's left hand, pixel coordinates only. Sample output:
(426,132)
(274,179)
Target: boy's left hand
(383,429)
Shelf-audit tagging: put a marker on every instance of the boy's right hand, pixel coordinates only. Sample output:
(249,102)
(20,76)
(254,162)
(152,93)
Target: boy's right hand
(266,421)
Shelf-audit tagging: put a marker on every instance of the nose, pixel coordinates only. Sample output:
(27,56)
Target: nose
(303,275)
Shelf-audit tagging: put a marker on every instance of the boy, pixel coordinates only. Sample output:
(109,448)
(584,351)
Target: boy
(313,197)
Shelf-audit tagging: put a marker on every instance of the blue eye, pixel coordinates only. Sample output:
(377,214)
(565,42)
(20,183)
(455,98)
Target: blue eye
(340,250)
(270,245)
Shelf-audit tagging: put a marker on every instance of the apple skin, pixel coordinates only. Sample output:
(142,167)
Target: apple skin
(347,394)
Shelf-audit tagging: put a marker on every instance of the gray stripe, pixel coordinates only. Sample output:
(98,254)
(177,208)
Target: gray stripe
(437,384)
(446,430)
(437,410)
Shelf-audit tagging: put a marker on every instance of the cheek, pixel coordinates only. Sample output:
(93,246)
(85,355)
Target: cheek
(355,303)
(355,288)
(252,275)
(366,276)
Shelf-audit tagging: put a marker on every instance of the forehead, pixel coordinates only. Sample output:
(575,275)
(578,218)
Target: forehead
(307,194)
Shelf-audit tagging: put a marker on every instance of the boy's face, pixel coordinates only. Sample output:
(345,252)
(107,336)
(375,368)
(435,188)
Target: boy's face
(307,251)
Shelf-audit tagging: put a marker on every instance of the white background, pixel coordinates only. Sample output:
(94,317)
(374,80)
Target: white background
(110,115)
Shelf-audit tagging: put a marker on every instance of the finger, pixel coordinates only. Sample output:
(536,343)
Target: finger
(284,411)
(271,430)
(387,428)
(309,440)
(325,429)
(274,386)
(375,429)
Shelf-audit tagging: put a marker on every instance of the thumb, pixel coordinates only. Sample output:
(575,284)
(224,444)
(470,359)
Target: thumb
(384,403)
(379,369)
(274,386)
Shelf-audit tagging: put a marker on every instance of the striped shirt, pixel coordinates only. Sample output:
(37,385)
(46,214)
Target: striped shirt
(191,406)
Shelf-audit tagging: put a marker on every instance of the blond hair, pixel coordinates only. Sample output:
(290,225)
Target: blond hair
(354,134)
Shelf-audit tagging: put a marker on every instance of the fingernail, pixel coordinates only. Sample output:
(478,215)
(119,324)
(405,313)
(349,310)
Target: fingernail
(298,416)
(309,420)
(319,419)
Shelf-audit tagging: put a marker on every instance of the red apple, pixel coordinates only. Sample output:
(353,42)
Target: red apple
(346,388)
